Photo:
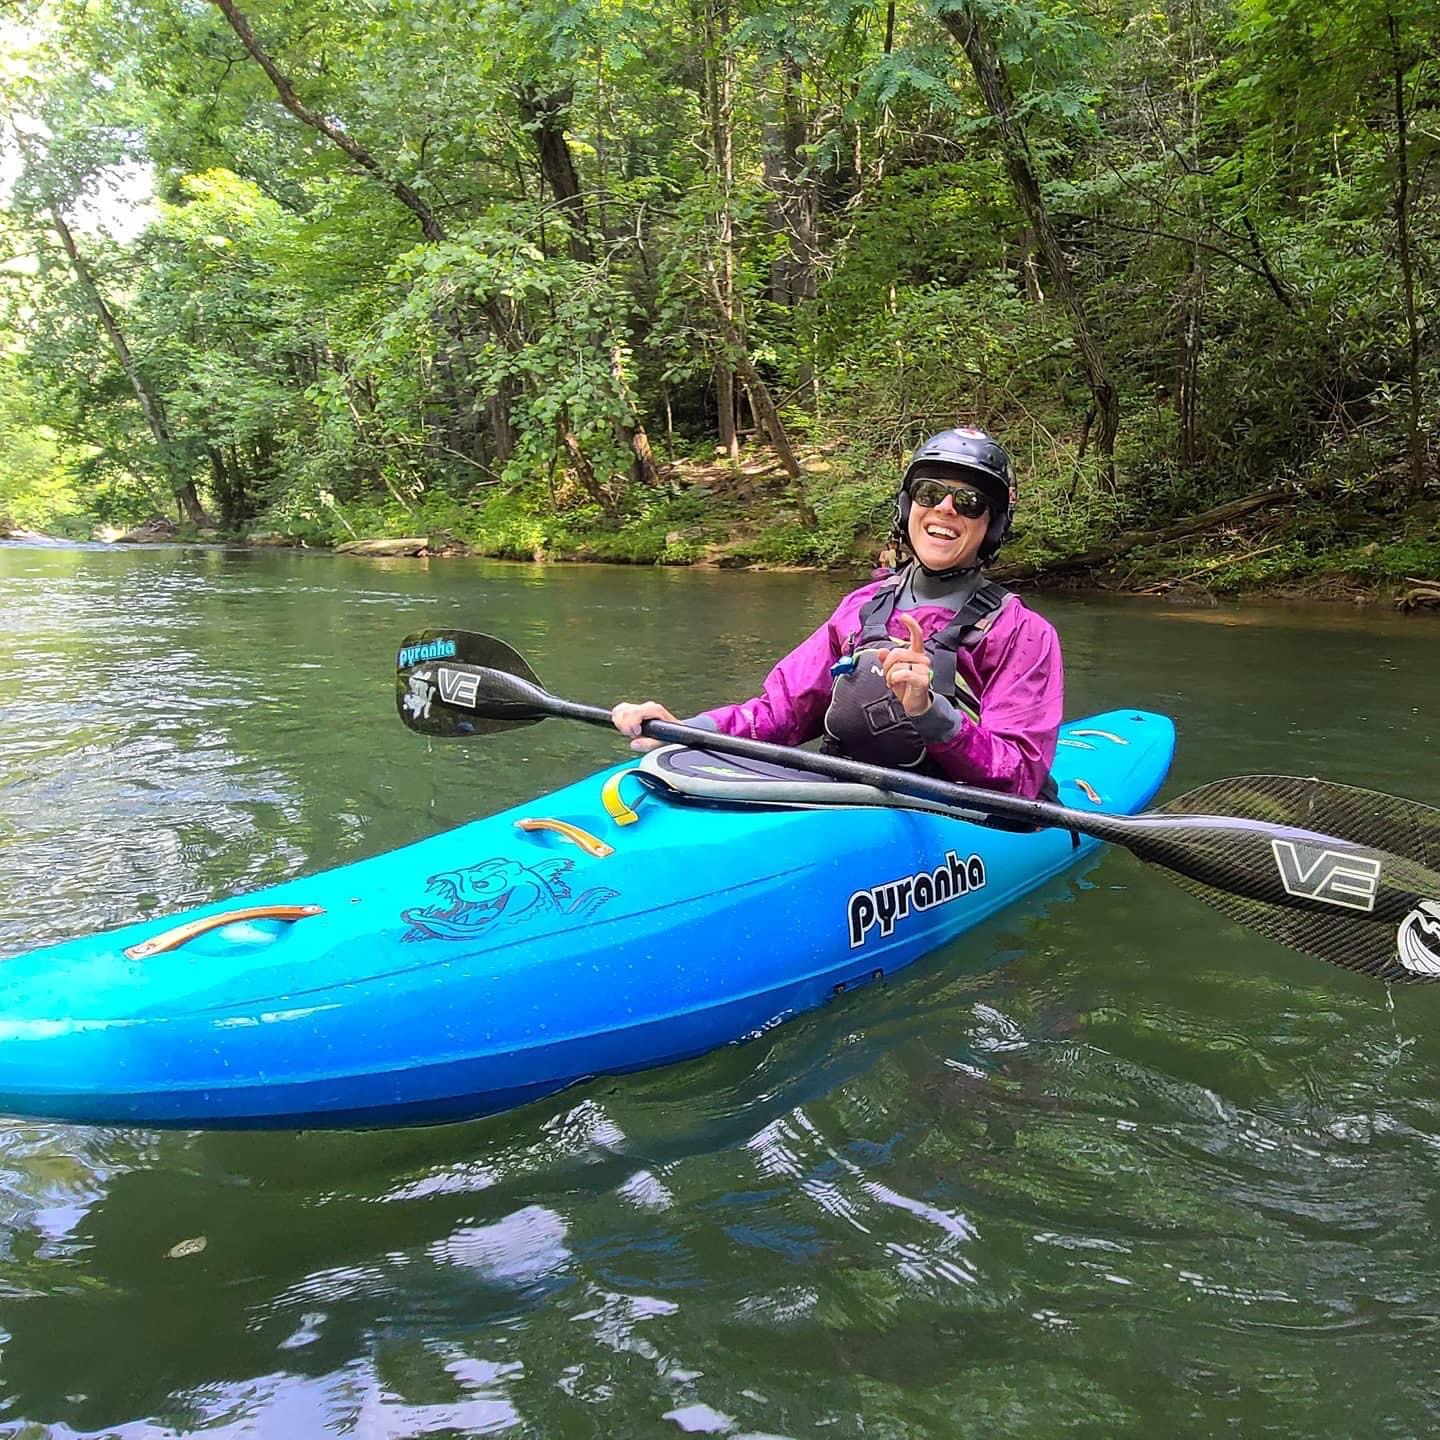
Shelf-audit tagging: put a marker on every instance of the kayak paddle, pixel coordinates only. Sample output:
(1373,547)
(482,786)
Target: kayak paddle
(1348,875)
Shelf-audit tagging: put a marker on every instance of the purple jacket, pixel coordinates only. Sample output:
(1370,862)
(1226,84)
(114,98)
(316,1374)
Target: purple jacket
(1015,670)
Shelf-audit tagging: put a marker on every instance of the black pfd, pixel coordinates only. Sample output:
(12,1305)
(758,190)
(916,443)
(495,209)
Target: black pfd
(865,720)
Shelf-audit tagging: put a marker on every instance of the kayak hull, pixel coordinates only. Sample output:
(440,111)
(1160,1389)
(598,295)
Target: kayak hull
(492,965)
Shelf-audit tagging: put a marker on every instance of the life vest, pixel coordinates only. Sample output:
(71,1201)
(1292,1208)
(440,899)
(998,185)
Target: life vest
(865,720)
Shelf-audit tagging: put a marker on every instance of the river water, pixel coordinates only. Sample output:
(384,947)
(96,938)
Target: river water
(1109,1166)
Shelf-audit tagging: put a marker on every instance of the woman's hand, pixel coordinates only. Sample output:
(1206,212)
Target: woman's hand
(627,719)
(907,670)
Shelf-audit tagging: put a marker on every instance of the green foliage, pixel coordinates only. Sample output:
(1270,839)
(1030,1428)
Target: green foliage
(1416,557)
(1223,180)
(39,486)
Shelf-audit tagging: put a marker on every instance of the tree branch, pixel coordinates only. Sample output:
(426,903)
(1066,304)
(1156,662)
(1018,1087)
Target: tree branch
(429,225)
(1119,545)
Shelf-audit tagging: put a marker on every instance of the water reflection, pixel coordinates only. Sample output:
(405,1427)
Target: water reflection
(1111,1164)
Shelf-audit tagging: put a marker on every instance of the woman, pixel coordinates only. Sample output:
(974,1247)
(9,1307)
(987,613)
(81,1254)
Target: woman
(930,667)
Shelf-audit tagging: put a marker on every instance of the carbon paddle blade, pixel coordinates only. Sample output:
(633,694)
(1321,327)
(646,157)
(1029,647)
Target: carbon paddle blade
(488,687)
(1348,875)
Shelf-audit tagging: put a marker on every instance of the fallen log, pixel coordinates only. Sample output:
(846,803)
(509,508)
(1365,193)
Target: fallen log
(410,545)
(1422,592)
(1114,548)
(442,543)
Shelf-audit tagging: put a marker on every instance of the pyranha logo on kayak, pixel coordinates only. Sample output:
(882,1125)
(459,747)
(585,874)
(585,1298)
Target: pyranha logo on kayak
(499,892)
(883,905)
(430,650)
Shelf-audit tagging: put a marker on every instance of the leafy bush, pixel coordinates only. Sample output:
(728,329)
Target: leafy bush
(1414,557)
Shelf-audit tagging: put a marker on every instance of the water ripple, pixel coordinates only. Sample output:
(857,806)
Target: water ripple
(1109,1166)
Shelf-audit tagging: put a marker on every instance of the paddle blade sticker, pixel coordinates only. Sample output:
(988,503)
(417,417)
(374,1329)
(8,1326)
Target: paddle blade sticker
(1349,875)
(1337,877)
(1419,940)
(480,693)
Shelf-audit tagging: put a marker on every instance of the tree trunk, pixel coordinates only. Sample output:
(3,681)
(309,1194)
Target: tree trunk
(1407,268)
(219,483)
(645,468)
(1030,269)
(430,226)
(1191,303)
(186,497)
(725,427)
(1187,31)
(580,463)
(545,113)
(1107,550)
(760,396)
(793,209)
(773,161)
(501,408)
(602,144)
(719,94)
(229,487)
(964,24)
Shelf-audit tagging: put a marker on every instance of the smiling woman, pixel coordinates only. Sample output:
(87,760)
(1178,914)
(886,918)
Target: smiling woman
(951,536)
(930,667)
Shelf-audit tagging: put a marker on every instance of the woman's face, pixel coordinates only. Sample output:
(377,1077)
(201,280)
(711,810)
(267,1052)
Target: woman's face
(942,537)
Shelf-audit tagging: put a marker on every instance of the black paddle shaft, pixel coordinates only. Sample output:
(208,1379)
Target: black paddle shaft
(1365,896)
(502,695)
(510,699)
(1220,852)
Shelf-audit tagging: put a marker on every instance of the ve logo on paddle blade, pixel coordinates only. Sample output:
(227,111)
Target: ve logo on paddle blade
(457,688)
(1334,877)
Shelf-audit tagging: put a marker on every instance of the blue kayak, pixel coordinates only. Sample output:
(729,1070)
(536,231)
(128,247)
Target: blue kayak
(609,926)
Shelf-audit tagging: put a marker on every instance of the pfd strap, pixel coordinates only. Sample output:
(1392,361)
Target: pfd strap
(970,624)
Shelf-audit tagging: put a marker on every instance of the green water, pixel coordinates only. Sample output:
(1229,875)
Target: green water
(1109,1167)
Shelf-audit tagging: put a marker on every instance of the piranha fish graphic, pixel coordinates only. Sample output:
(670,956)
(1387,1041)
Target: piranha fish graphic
(497,893)
(1418,939)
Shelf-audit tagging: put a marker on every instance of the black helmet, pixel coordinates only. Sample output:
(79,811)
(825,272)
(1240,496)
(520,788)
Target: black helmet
(974,456)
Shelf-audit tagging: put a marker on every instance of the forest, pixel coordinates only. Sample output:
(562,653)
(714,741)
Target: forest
(679,281)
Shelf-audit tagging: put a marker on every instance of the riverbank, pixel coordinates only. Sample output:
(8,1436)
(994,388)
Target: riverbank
(1283,542)
(1280,543)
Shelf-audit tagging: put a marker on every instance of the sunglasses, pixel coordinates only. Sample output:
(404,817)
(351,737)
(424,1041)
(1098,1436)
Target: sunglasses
(968,503)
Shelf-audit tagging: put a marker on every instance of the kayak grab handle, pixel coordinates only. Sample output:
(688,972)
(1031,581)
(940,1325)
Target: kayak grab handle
(173,939)
(590,844)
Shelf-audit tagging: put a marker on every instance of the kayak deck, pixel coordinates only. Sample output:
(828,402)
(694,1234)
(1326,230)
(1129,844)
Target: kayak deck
(508,958)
